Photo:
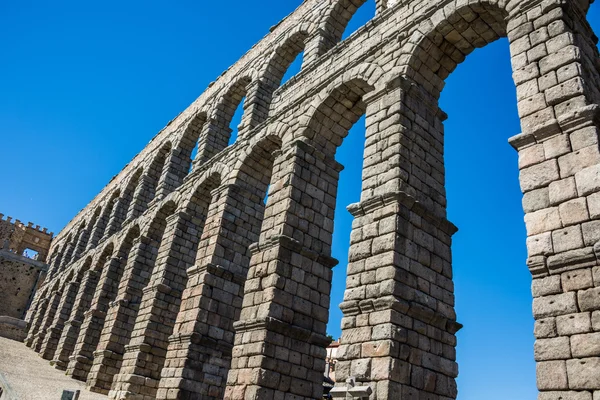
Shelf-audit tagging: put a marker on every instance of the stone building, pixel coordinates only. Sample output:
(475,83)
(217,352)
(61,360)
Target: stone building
(178,282)
(22,270)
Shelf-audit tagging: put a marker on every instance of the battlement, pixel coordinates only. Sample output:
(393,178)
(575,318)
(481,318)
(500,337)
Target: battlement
(29,225)
(25,239)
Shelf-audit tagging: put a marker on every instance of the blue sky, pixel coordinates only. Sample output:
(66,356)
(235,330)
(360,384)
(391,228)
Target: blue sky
(86,85)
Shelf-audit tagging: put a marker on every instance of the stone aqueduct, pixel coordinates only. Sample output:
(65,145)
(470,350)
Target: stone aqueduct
(174,284)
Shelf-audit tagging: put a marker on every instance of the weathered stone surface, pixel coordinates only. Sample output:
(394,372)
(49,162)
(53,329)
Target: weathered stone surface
(552,375)
(577,280)
(589,300)
(539,175)
(543,221)
(588,180)
(583,374)
(21,270)
(573,324)
(573,212)
(586,345)
(546,286)
(242,288)
(554,305)
(545,328)
(565,396)
(552,349)
(561,191)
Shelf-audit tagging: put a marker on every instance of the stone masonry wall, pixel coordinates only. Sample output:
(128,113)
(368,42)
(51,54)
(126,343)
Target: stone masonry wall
(178,282)
(20,276)
(17,282)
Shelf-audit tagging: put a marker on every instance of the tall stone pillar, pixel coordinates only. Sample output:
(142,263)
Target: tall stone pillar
(47,319)
(555,63)
(118,214)
(317,45)
(281,335)
(399,324)
(36,321)
(67,256)
(80,239)
(212,140)
(172,174)
(83,301)
(199,352)
(120,316)
(54,333)
(82,357)
(143,194)
(97,232)
(144,355)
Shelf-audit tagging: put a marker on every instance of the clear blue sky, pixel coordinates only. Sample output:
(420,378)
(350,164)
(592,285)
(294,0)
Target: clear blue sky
(85,85)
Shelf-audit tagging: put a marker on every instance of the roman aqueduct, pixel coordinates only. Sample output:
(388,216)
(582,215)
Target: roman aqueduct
(178,282)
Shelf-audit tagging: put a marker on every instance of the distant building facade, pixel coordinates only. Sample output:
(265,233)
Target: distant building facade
(23,252)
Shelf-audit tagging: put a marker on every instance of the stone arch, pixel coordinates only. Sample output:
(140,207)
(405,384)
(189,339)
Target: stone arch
(274,70)
(336,18)
(85,237)
(155,171)
(298,226)
(171,238)
(79,304)
(100,227)
(189,141)
(335,110)
(442,42)
(102,256)
(144,256)
(85,266)
(55,260)
(94,304)
(219,131)
(69,249)
(129,210)
(218,169)
(254,170)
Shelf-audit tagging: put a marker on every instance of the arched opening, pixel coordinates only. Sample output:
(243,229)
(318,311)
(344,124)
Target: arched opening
(87,234)
(110,266)
(154,172)
(338,126)
(361,11)
(345,18)
(63,311)
(285,62)
(115,336)
(88,281)
(294,68)
(156,320)
(65,255)
(348,193)
(495,194)
(489,97)
(236,122)
(229,117)
(290,271)
(188,146)
(129,209)
(100,228)
(233,223)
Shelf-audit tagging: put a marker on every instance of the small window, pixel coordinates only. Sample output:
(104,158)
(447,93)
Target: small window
(30,253)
